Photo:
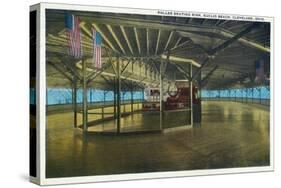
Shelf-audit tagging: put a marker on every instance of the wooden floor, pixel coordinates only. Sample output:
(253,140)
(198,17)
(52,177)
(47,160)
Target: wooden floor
(230,135)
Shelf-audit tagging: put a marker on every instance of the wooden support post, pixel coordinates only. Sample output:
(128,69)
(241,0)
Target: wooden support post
(200,96)
(124,104)
(242,95)
(102,109)
(85,108)
(104,95)
(191,96)
(132,98)
(114,98)
(260,94)
(161,95)
(74,101)
(118,95)
(252,95)
(102,113)
(142,98)
(247,95)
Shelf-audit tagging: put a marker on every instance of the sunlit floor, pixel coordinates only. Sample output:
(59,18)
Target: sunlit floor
(230,135)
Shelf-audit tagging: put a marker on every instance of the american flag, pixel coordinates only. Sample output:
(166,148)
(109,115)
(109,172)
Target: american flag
(73,33)
(96,49)
(260,76)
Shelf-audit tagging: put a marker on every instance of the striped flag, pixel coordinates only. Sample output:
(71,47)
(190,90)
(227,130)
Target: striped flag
(73,33)
(260,76)
(96,49)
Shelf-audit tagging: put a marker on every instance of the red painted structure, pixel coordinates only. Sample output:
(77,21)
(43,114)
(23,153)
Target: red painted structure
(181,99)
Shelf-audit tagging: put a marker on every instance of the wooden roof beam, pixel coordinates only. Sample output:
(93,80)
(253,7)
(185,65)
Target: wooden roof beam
(105,37)
(115,38)
(152,24)
(137,39)
(168,41)
(126,38)
(157,43)
(213,52)
(177,43)
(147,41)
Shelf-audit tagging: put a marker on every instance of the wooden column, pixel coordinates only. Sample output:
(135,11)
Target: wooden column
(74,101)
(252,95)
(161,94)
(118,92)
(191,96)
(114,98)
(132,98)
(85,108)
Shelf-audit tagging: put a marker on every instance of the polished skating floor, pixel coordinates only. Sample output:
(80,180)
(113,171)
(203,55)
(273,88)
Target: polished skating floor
(230,135)
(144,121)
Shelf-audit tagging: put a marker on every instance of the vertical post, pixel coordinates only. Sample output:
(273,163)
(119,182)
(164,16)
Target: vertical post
(102,108)
(124,107)
(132,98)
(74,101)
(142,98)
(245,97)
(114,97)
(242,96)
(247,90)
(161,95)
(85,110)
(118,95)
(102,112)
(252,95)
(191,96)
(91,96)
(132,94)
(260,94)
(200,96)
(124,103)
(104,95)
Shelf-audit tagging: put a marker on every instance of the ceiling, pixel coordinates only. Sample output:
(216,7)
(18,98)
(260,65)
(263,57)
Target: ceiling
(225,49)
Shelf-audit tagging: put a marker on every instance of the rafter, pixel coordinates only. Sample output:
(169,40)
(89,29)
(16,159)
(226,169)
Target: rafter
(60,70)
(104,37)
(158,39)
(168,41)
(224,45)
(70,65)
(126,38)
(204,80)
(95,74)
(177,43)
(147,41)
(86,30)
(115,38)
(125,67)
(184,72)
(179,46)
(137,39)
(152,24)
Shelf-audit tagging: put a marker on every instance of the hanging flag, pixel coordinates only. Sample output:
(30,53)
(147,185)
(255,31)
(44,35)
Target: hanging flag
(73,33)
(96,48)
(260,76)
